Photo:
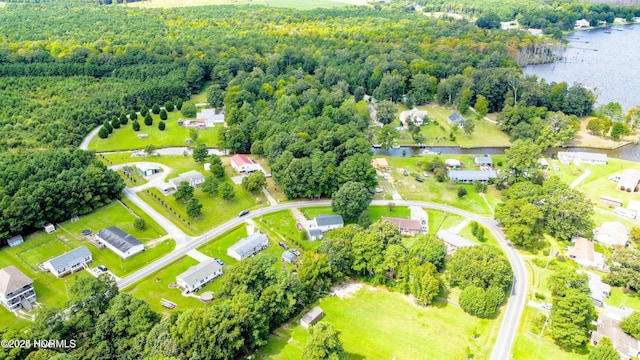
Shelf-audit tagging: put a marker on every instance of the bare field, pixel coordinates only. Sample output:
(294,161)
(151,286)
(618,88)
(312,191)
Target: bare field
(585,138)
(298,4)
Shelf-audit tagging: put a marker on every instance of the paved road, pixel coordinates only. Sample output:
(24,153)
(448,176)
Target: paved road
(84,145)
(513,310)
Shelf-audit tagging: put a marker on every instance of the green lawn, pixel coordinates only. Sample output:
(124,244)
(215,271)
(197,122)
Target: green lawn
(125,138)
(442,220)
(488,237)
(152,290)
(621,298)
(217,247)
(530,345)
(116,214)
(402,331)
(434,191)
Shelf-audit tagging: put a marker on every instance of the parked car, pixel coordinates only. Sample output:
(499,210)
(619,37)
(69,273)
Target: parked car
(419,179)
(378,190)
(546,306)
(284,246)
(405,173)
(386,176)
(425,174)
(102,268)
(295,252)
(219,261)
(243,213)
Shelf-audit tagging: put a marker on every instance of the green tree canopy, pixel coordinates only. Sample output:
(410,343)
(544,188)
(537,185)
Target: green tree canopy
(323,344)
(351,199)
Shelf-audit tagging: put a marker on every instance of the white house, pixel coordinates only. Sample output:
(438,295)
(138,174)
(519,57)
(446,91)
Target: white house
(612,233)
(248,246)
(199,275)
(453,240)
(16,289)
(121,243)
(243,165)
(148,169)
(193,178)
(15,241)
(599,290)
(582,23)
(74,260)
(583,253)
(470,176)
(325,223)
(211,117)
(629,180)
(414,115)
(567,157)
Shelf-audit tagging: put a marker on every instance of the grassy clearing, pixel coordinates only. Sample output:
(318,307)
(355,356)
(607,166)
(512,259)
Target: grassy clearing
(442,220)
(297,4)
(489,239)
(152,290)
(218,247)
(434,191)
(377,212)
(125,138)
(403,330)
(530,345)
(282,223)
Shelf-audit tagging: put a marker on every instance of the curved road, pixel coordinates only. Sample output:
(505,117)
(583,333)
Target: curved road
(184,243)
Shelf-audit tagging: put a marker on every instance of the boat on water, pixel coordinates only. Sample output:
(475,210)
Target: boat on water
(377,146)
(607,31)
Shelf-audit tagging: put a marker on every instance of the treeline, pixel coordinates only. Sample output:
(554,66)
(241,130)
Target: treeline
(51,186)
(254,298)
(548,15)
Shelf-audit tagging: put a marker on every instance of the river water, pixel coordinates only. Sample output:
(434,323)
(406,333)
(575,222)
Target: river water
(608,63)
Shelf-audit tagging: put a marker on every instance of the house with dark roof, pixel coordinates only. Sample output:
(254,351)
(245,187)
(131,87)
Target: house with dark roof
(485,160)
(193,178)
(453,240)
(315,234)
(15,241)
(470,176)
(118,241)
(407,227)
(327,222)
(455,119)
(74,260)
(16,289)
(199,275)
(248,246)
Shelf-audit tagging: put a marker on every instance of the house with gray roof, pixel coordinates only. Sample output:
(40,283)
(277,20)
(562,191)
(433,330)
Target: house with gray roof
(16,289)
(315,234)
(453,240)
(470,176)
(579,157)
(599,290)
(326,222)
(211,117)
(248,246)
(199,275)
(15,241)
(118,241)
(485,160)
(74,260)
(193,178)
(455,119)
(629,180)
(627,346)
(288,256)
(312,317)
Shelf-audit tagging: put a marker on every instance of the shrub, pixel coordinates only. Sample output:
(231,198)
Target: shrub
(139,224)
(155,109)
(168,106)
(462,191)
(136,126)
(540,296)
(161,126)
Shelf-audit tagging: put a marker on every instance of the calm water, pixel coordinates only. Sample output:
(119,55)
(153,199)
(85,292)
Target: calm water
(607,63)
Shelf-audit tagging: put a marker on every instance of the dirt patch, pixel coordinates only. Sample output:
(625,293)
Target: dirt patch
(347,289)
(586,139)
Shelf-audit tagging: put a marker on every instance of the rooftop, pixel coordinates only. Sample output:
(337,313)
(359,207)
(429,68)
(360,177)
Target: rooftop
(188,176)
(582,249)
(194,274)
(12,279)
(410,224)
(597,287)
(328,220)
(118,238)
(70,257)
(486,159)
(455,117)
(246,245)
(240,160)
(148,166)
(454,239)
(472,175)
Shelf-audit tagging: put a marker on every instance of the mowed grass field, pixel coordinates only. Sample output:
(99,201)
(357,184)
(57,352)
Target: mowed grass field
(377,324)
(124,138)
(297,4)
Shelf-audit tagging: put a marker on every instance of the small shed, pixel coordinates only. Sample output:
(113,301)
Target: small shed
(15,241)
(610,201)
(485,160)
(49,228)
(312,317)
(207,166)
(143,136)
(288,256)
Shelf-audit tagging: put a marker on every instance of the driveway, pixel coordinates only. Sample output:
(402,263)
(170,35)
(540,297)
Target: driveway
(153,180)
